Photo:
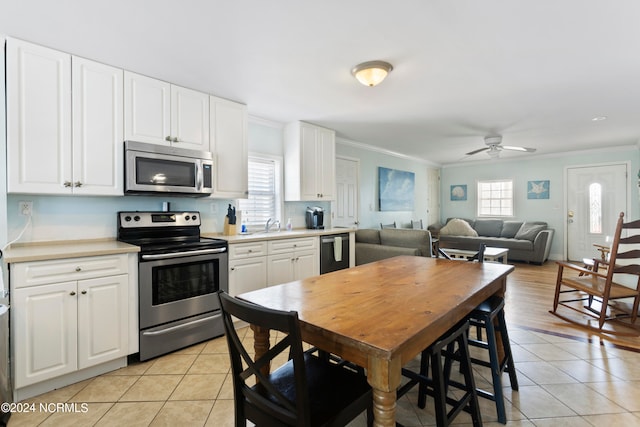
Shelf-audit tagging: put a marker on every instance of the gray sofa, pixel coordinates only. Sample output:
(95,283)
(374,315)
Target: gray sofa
(373,245)
(526,241)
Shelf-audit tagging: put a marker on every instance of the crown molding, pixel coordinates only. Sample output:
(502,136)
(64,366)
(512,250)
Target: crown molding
(265,122)
(619,148)
(368,147)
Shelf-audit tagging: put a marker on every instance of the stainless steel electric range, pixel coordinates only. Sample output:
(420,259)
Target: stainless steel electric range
(179,275)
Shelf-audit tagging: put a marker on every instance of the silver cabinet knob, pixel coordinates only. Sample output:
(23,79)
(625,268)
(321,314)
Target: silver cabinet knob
(72,293)
(78,268)
(83,292)
(67,184)
(77,184)
(168,138)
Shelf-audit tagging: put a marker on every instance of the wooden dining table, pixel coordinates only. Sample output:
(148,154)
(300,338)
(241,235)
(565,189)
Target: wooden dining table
(383,314)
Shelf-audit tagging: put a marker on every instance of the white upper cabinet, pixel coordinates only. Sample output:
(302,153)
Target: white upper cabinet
(64,134)
(38,119)
(158,112)
(97,128)
(229,129)
(309,162)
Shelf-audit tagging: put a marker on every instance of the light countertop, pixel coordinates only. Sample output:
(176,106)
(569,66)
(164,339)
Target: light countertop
(275,235)
(41,251)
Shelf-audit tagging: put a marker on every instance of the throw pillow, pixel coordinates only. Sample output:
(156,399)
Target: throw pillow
(510,228)
(529,231)
(458,227)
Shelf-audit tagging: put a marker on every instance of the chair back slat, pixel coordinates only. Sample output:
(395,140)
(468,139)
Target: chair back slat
(629,269)
(630,240)
(632,224)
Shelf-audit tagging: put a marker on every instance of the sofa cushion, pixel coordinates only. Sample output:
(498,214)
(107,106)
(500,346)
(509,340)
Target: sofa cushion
(458,227)
(366,235)
(488,227)
(510,228)
(407,238)
(529,231)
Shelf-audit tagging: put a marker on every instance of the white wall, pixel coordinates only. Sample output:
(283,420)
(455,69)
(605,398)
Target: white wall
(533,168)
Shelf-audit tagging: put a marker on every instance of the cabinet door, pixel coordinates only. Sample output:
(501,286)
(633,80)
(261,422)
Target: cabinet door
(38,119)
(97,128)
(102,319)
(189,118)
(229,144)
(247,275)
(280,269)
(146,109)
(306,264)
(310,163)
(326,157)
(44,332)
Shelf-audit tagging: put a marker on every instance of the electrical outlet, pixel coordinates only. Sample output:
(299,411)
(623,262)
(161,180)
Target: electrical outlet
(25,207)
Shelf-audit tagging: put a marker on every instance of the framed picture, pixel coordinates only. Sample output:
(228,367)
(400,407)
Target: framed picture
(395,189)
(459,192)
(538,189)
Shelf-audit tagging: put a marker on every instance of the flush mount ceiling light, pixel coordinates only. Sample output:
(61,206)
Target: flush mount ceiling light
(371,73)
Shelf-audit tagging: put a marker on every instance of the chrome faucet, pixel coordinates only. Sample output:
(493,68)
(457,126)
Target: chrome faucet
(268,225)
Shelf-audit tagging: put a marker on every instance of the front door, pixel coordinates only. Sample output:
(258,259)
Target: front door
(595,197)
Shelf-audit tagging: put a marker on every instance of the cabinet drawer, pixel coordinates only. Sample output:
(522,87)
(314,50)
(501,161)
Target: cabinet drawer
(25,274)
(247,250)
(290,245)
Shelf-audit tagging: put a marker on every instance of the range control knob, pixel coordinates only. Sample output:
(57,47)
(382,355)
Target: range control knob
(136,218)
(127,218)
(193,217)
(186,217)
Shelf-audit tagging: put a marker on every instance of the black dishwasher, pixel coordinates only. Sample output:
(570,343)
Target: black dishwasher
(334,252)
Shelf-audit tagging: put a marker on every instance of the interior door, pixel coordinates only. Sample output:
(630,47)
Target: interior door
(595,197)
(345,212)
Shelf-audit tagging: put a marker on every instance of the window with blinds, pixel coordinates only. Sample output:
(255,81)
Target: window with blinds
(263,201)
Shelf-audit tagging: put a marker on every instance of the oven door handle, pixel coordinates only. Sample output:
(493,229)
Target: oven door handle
(183,254)
(173,328)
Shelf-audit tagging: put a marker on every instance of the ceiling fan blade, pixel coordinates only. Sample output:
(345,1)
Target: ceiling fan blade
(479,150)
(524,149)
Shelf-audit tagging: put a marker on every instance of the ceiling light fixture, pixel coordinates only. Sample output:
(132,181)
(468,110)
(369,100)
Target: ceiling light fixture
(371,73)
(599,118)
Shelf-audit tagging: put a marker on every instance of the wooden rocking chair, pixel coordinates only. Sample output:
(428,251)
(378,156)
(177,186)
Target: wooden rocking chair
(597,285)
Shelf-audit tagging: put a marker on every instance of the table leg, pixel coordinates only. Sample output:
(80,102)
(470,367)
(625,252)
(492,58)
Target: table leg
(261,345)
(384,378)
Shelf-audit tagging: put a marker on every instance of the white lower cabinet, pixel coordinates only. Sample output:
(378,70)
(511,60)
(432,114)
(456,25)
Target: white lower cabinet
(292,259)
(247,267)
(75,320)
(256,265)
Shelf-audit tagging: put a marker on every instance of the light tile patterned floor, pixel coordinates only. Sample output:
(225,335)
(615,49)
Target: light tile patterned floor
(563,382)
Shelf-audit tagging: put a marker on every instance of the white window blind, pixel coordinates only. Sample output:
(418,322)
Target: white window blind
(262,202)
(495,198)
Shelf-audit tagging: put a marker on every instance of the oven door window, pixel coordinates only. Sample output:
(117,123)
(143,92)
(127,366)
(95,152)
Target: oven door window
(165,173)
(185,280)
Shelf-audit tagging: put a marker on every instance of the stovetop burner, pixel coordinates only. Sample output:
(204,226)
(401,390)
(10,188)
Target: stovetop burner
(164,232)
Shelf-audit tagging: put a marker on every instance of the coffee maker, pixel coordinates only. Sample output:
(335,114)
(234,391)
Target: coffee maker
(315,218)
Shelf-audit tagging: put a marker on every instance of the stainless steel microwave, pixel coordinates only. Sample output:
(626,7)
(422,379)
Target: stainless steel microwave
(163,170)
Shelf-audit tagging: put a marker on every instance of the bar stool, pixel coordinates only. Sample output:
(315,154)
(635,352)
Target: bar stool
(437,385)
(481,317)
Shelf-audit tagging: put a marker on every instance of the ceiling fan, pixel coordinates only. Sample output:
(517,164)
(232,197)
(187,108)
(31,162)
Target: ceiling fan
(494,146)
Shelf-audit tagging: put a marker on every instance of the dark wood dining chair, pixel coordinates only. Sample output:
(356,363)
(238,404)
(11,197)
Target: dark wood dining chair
(392,225)
(603,290)
(305,391)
